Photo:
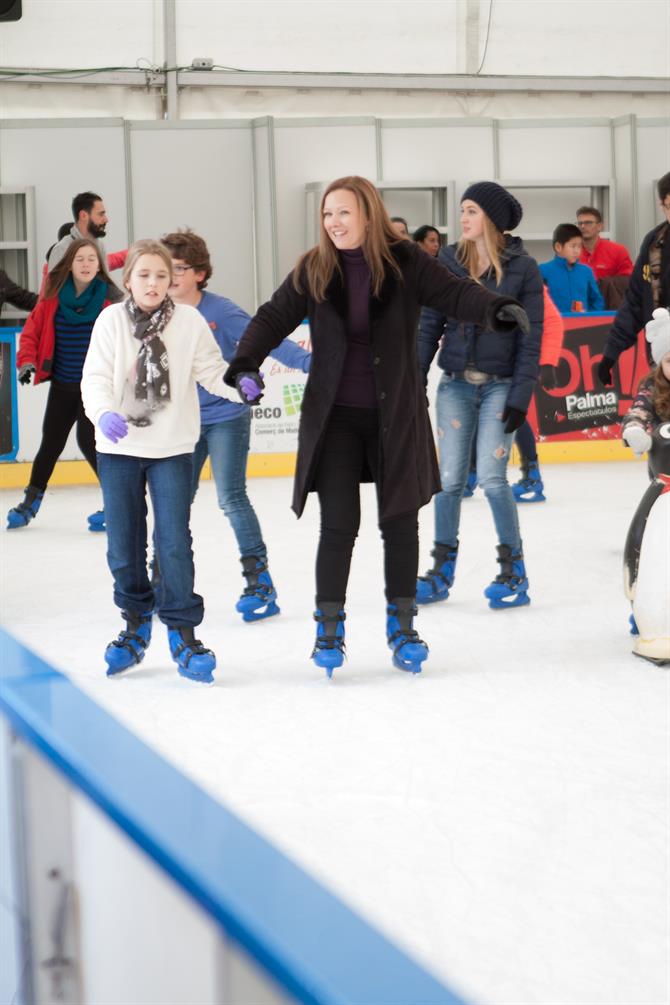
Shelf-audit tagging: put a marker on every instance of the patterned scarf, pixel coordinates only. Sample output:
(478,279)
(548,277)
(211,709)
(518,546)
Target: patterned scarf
(152,370)
(655,255)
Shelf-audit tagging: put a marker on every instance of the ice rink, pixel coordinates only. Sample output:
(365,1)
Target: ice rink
(502,817)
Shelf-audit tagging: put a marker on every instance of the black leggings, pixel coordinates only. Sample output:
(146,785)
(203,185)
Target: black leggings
(350,446)
(64,408)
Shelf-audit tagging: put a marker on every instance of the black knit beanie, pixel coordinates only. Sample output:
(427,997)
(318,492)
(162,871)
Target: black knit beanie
(499,205)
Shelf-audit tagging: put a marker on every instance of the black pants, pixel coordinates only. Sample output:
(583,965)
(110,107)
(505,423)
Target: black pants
(351,444)
(64,408)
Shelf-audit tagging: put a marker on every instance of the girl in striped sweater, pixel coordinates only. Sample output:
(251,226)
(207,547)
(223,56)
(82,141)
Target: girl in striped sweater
(53,347)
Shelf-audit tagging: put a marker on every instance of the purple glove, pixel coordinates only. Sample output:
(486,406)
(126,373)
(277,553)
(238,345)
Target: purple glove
(113,426)
(250,386)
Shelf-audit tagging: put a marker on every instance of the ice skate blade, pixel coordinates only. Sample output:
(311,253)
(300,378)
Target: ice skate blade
(260,615)
(111,672)
(658,661)
(205,679)
(500,604)
(412,657)
(433,598)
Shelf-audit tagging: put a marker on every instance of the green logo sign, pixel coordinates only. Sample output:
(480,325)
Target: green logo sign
(293,398)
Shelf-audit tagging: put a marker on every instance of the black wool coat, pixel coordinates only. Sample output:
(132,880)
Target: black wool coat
(409,474)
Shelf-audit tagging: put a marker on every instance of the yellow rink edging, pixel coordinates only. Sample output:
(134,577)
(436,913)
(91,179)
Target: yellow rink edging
(16,474)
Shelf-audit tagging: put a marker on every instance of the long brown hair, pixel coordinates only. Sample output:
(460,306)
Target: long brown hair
(494,242)
(58,276)
(660,397)
(320,263)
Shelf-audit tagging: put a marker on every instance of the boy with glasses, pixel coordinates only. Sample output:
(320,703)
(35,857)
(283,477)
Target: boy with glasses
(225,425)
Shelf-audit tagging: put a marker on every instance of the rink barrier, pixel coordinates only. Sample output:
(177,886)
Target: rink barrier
(313,947)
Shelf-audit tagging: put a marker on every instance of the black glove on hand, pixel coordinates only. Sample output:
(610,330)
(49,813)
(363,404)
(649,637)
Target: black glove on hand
(547,377)
(513,418)
(250,386)
(605,370)
(515,317)
(26,372)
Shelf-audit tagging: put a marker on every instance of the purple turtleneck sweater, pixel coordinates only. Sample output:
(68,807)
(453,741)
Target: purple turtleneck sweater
(357,386)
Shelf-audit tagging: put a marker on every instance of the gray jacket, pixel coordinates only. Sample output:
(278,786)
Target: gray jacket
(59,250)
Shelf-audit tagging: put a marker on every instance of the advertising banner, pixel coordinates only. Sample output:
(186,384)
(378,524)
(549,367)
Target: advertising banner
(580,407)
(274,425)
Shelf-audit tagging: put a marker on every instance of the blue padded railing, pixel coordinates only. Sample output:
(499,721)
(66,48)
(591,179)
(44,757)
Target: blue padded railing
(311,944)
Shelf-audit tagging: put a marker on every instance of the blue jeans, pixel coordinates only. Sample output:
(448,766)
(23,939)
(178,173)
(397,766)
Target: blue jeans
(124,481)
(466,412)
(227,444)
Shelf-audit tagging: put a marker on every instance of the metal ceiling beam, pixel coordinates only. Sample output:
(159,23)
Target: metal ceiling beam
(337,81)
(420,82)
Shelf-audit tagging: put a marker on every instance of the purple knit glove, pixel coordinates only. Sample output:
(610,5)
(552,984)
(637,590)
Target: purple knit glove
(113,426)
(250,387)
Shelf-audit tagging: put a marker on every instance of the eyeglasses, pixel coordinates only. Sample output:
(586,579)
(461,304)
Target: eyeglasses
(179,270)
(586,223)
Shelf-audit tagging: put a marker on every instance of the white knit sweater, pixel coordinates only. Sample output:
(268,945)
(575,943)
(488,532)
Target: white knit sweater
(108,381)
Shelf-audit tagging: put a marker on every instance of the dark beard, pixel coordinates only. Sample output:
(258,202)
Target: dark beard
(94,230)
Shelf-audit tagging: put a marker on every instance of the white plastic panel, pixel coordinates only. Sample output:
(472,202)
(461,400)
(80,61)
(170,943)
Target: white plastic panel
(61,160)
(555,151)
(304,153)
(443,150)
(100,33)
(653,161)
(623,160)
(199,178)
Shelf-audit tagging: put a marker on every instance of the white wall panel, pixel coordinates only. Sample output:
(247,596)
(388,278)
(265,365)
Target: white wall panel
(555,151)
(265,209)
(69,33)
(61,159)
(199,177)
(328,35)
(653,161)
(626,196)
(307,152)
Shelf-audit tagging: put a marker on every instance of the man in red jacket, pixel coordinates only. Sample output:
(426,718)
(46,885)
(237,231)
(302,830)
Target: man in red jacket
(606,258)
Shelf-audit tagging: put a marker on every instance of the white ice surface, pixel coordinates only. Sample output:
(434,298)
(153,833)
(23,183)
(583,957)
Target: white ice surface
(503,816)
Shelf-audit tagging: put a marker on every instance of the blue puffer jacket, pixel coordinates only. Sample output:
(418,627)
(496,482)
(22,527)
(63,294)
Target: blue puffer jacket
(510,355)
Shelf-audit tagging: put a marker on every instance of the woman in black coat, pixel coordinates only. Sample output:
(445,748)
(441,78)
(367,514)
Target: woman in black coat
(364,413)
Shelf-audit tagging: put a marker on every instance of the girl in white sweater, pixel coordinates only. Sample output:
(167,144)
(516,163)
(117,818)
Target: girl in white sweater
(139,391)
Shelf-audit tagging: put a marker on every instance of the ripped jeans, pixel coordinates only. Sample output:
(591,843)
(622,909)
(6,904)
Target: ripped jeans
(466,411)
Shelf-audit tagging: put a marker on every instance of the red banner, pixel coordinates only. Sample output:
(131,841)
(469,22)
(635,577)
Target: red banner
(579,407)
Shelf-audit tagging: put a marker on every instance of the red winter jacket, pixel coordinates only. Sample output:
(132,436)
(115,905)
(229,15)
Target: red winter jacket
(38,338)
(552,333)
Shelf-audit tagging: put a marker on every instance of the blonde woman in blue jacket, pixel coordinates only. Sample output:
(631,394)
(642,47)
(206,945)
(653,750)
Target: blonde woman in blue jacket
(484,391)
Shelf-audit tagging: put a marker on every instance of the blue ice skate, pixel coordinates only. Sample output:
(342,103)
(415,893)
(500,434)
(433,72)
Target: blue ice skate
(193,661)
(509,588)
(634,630)
(328,652)
(470,485)
(409,651)
(96,522)
(129,648)
(259,598)
(437,582)
(530,487)
(21,515)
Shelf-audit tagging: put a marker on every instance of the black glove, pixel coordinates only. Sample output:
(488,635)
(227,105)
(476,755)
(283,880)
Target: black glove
(605,370)
(250,386)
(513,316)
(26,372)
(513,418)
(547,376)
